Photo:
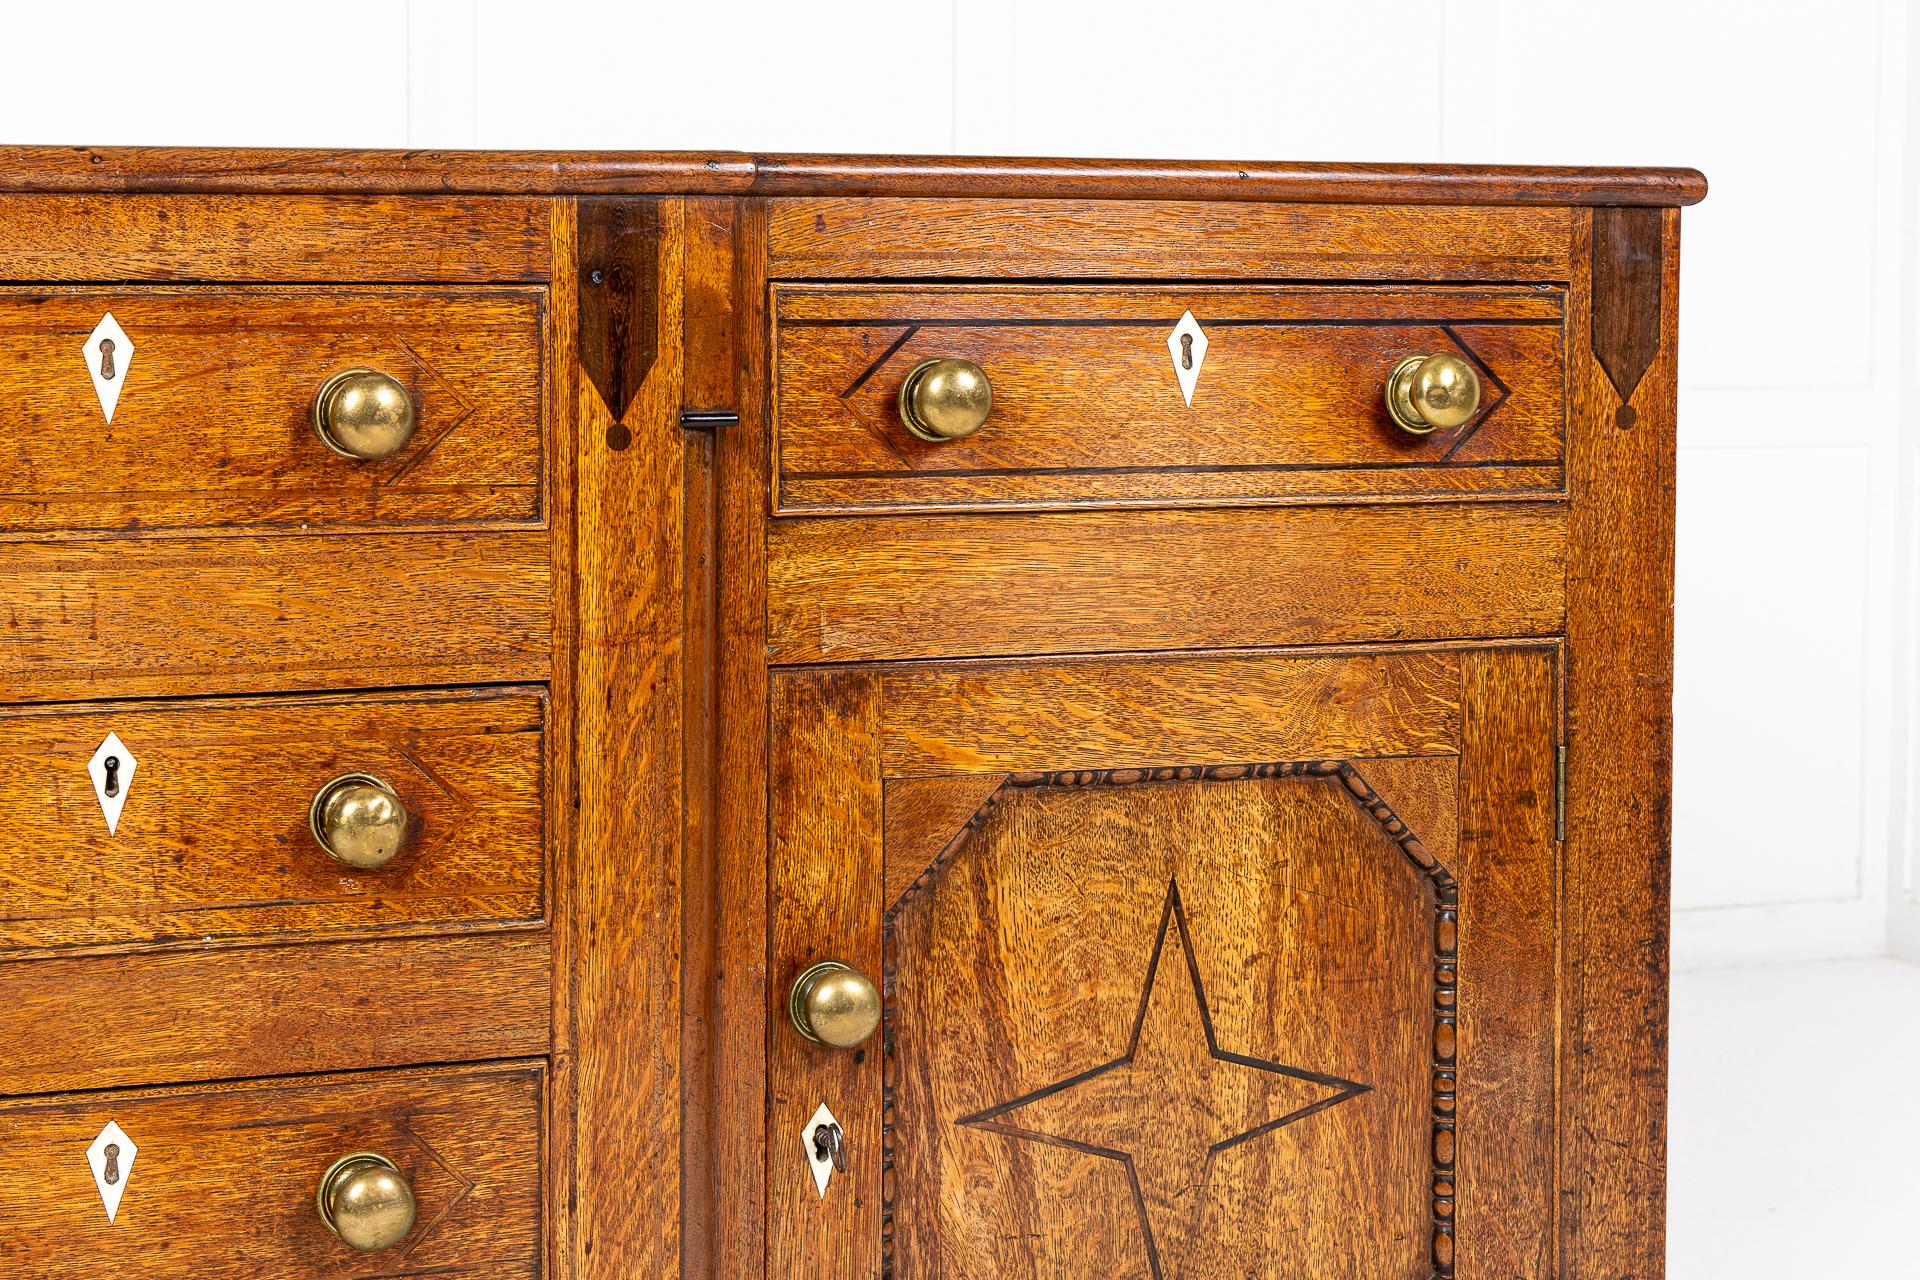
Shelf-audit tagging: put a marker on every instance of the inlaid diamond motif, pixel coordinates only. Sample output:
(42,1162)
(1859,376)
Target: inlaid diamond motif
(1188,346)
(112,769)
(820,1138)
(111,1159)
(109,354)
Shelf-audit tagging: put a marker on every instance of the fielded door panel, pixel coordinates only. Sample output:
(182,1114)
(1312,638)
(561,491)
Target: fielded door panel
(1223,965)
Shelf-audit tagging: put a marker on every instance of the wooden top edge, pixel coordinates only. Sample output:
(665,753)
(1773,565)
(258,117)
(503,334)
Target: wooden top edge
(52,170)
(1224,180)
(300,171)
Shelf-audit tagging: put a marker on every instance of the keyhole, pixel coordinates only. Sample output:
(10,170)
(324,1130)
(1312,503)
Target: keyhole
(106,358)
(829,1144)
(113,775)
(1186,351)
(112,1174)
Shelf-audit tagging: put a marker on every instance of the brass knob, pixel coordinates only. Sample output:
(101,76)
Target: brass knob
(364,414)
(834,1005)
(945,399)
(1432,392)
(366,1201)
(359,819)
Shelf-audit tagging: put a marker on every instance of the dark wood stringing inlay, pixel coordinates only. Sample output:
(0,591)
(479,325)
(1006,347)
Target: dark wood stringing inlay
(1446,984)
(1490,403)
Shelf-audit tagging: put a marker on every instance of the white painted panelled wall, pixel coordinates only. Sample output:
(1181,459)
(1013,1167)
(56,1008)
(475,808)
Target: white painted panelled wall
(1797,810)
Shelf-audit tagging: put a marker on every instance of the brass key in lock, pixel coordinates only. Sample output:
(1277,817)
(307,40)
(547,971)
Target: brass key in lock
(830,1144)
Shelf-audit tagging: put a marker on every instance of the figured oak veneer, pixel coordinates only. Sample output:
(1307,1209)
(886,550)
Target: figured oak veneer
(1096,946)
(707,173)
(1006,715)
(1214,1021)
(97,618)
(1287,401)
(95,1022)
(245,239)
(862,588)
(1255,817)
(1123,239)
(213,427)
(222,1185)
(215,843)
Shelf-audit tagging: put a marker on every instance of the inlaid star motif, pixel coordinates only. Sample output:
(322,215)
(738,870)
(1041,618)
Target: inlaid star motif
(1170,1104)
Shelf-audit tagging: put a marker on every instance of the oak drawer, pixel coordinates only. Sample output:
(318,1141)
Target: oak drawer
(212,393)
(216,836)
(121,617)
(231,1013)
(218,1182)
(1089,407)
(882,588)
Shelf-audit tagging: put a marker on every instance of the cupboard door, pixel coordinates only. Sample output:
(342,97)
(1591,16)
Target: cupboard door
(1198,965)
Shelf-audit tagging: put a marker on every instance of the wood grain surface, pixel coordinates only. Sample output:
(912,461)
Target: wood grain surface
(221,1184)
(862,588)
(1169,239)
(434,172)
(1164,1029)
(214,841)
(94,1023)
(1619,685)
(630,667)
(921,815)
(736,1222)
(1509,915)
(214,422)
(1135,748)
(563,768)
(825,876)
(1088,407)
(1098,943)
(822,175)
(616,282)
(1155,710)
(256,239)
(710,363)
(133,617)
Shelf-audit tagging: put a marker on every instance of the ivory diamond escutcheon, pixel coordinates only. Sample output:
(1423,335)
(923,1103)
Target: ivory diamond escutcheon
(111,1159)
(112,769)
(819,1151)
(1188,345)
(109,354)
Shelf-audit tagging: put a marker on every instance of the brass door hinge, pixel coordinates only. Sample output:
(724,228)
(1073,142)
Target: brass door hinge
(1560,792)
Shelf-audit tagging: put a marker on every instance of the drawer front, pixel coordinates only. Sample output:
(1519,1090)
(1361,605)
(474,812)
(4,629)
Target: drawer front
(99,1022)
(136,617)
(201,411)
(1105,395)
(215,835)
(873,589)
(219,1182)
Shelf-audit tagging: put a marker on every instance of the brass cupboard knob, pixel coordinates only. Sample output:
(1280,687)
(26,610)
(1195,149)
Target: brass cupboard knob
(364,414)
(1427,393)
(366,1201)
(945,399)
(360,820)
(834,1005)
